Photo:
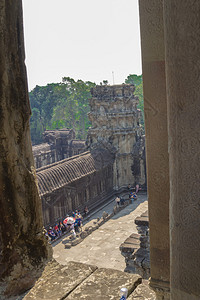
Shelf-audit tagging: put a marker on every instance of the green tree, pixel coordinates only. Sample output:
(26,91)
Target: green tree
(138,82)
(60,105)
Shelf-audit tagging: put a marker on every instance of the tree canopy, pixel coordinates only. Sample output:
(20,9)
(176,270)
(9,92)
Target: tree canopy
(60,105)
(138,82)
(66,105)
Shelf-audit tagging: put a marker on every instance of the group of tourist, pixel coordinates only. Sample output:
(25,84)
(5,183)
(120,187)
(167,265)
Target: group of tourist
(71,224)
(133,195)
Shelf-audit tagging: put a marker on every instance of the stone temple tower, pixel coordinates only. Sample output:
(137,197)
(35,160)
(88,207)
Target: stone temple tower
(116,125)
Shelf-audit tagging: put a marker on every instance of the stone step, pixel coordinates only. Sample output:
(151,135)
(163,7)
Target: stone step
(132,241)
(129,247)
(143,292)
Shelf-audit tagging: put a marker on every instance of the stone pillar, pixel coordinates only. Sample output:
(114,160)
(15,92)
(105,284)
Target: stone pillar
(182,30)
(23,248)
(155,107)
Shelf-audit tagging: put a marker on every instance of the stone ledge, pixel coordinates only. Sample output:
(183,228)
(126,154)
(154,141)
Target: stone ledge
(105,284)
(57,281)
(143,220)
(80,281)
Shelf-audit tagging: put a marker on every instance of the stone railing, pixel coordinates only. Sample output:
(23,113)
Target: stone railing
(135,249)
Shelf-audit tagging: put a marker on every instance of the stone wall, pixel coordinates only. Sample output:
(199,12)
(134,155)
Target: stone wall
(59,144)
(23,248)
(72,183)
(116,123)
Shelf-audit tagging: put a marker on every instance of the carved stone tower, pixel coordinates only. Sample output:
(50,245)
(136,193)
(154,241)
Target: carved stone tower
(115,124)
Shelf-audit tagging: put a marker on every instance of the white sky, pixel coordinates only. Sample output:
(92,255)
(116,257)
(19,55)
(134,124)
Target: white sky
(83,39)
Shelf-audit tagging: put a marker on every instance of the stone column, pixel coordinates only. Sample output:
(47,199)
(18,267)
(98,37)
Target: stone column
(182,30)
(23,248)
(155,107)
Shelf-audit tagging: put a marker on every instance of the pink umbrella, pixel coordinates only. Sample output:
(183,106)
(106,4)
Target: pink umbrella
(69,220)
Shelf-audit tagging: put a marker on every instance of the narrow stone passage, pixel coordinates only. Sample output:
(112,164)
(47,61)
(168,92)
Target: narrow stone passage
(101,247)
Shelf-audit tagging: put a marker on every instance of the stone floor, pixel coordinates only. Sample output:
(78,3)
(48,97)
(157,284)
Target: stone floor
(93,268)
(101,247)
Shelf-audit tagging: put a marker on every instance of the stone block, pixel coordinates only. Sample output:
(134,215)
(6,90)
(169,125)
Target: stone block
(89,229)
(68,246)
(76,241)
(84,234)
(95,227)
(101,222)
(128,247)
(142,221)
(105,284)
(58,281)
(135,236)
(143,292)
(132,241)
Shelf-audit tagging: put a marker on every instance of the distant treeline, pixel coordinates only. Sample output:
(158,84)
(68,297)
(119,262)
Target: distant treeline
(65,105)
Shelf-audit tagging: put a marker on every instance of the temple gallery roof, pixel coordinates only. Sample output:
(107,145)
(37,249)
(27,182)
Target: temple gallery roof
(37,149)
(57,175)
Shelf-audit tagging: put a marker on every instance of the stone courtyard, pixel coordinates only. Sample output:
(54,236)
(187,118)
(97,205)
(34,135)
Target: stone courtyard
(101,247)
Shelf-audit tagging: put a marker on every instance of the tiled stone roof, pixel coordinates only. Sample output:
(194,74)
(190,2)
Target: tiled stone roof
(57,175)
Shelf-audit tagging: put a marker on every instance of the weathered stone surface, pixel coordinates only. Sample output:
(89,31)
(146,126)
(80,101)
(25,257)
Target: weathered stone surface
(156,130)
(135,249)
(23,246)
(58,281)
(135,236)
(143,220)
(183,105)
(84,234)
(105,284)
(76,241)
(68,245)
(59,144)
(143,292)
(132,241)
(128,247)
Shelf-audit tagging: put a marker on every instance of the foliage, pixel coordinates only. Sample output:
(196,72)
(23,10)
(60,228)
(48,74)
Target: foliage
(66,104)
(60,105)
(138,82)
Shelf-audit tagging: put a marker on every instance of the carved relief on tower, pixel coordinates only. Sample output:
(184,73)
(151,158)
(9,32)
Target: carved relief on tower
(115,120)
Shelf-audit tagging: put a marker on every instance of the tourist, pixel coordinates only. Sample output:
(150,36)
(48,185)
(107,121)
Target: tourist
(86,211)
(76,225)
(117,200)
(122,200)
(61,227)
(137,188)
(51,234)
(72,231)
(134,196)
(58,231)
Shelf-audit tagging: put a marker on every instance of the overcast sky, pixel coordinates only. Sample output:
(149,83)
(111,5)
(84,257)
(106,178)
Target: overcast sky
(83,39)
